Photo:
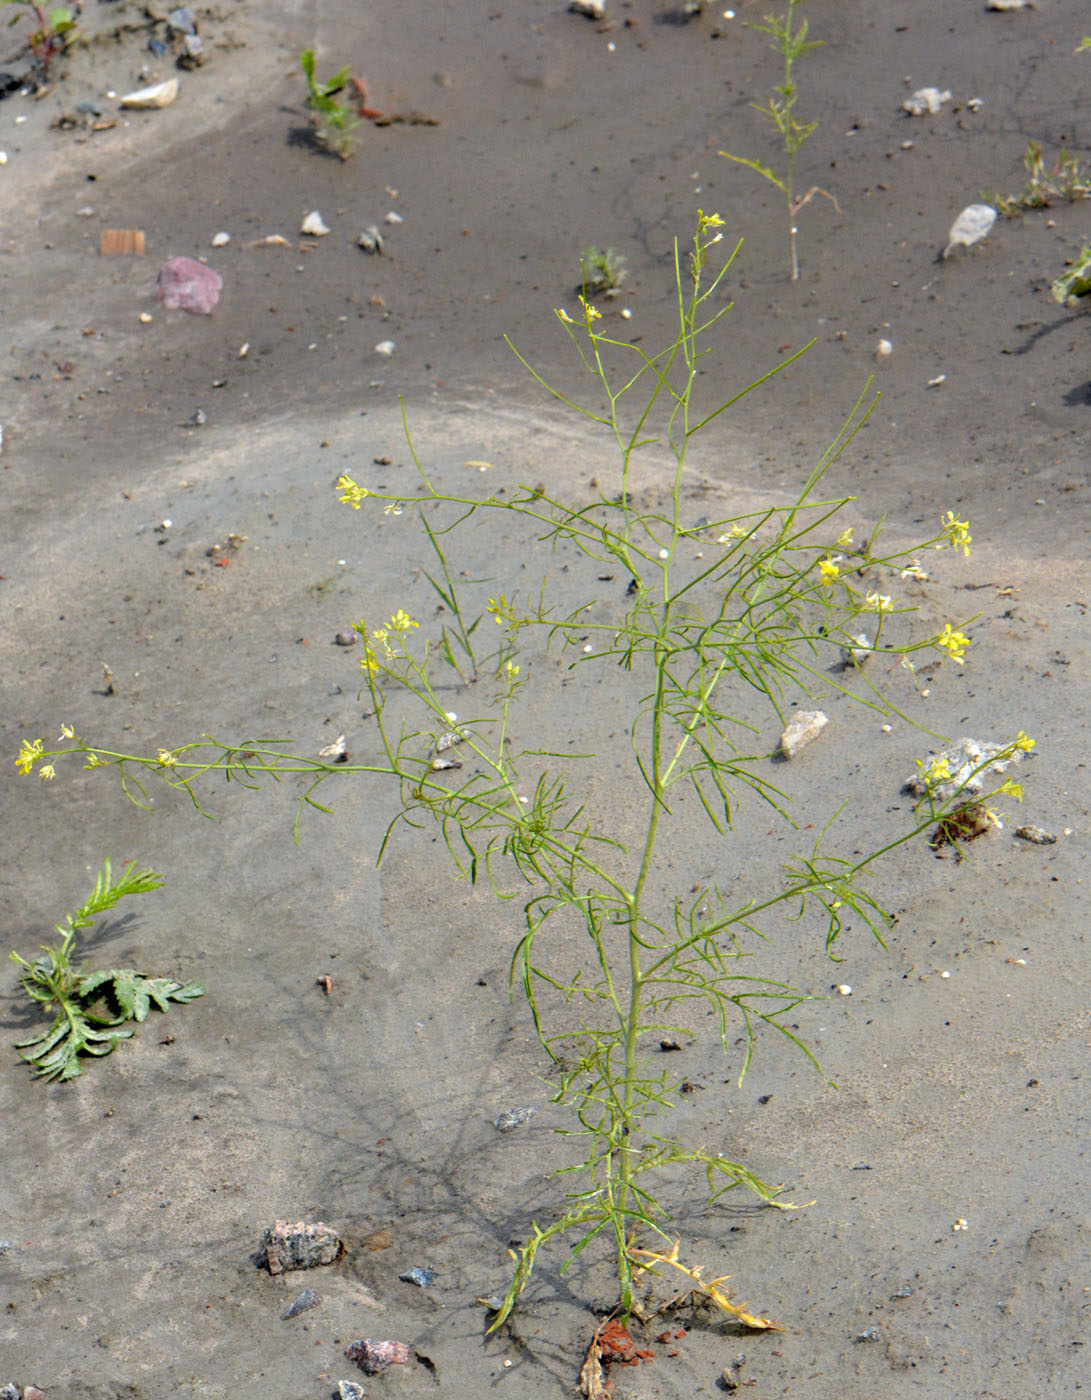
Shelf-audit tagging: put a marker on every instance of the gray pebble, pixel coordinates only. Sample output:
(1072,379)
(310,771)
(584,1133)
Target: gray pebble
(513,1118)
(423,1278)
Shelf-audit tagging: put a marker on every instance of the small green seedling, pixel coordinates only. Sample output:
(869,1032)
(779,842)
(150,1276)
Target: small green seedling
(335,122)
(53,34)
(93,1008)
(791,43)
(1074,284)
(603,271)
(1067,181)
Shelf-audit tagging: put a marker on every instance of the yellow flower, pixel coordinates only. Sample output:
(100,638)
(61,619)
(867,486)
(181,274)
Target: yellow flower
(957,532)
(562,315)
(844,539)
(500,609)
(29,754)
(1023,743)
(590,313)
(953,643)
(1012,789)
(936,772)
(93,761)
(511,670)
(351,494)
(382,636)
(879,602)
(829,571)
(735,533)
(67,732)
(401,622)
(166,759)
(369,662)
(47,772)
(708,221)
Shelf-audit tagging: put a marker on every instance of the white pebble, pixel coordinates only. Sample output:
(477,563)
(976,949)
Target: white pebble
(883,349)
(244,350)
(845,989)
(393,218)
(221,239)
(945,974)
(452,717)
(664,554)
(314,225)
(385,347)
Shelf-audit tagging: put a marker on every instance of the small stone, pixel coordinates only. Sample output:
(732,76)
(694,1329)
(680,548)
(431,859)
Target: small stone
(970,762)
(147,98)
(513,1118)
(869,1334)
(145,318)
(346,639)
(844,989)
(804,729)
(593,9)
(182,21)
(350,1390)
(423,1278)
(385,348)
(1037,835)
(301,1245)
(221,239)
(393,218)
(884,350)
(925,102)
(309,1298)
(314,225)
(186,285)
(856,655)
(373,1357)
(371,240)
(1010,5)
(971,226)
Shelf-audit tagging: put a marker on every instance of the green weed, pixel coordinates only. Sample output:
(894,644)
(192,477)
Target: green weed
(791,42)
(93,1009)
(55,31)
(1065,181)
(603,270)
(335,122)
(1074,284)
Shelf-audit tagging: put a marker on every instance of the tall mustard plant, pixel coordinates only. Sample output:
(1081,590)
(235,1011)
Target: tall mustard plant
(757,604)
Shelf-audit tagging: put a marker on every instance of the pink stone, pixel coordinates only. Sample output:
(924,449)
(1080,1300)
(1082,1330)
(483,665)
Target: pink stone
(186,285)
(373,1357)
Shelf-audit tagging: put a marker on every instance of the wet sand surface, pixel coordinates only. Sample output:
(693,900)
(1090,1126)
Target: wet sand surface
(134,1198)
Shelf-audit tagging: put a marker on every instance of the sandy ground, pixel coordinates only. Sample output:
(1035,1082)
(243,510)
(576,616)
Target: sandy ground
(133,1200)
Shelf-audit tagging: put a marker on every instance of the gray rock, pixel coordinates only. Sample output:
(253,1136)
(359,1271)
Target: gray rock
(513,1118)
(301,1245)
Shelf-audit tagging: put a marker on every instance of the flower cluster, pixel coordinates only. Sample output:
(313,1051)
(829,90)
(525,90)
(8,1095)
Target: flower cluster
(590,314)
(953,643)
(501,612)
(828,571)
(387,636)
(956,533)
(351,494)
